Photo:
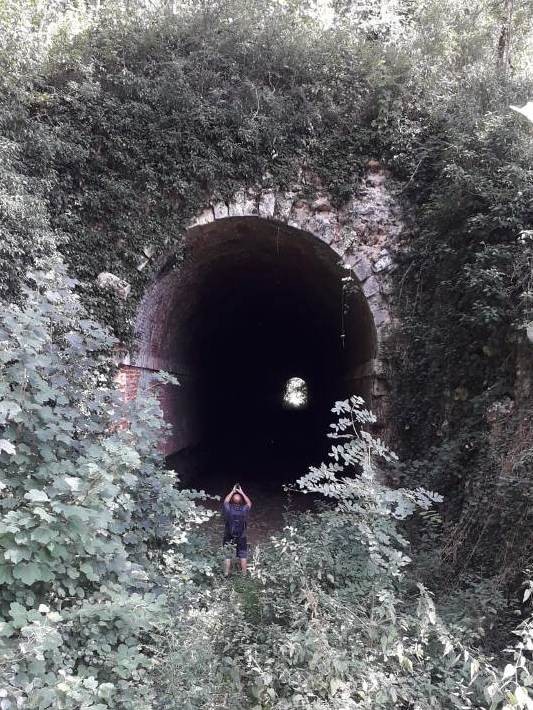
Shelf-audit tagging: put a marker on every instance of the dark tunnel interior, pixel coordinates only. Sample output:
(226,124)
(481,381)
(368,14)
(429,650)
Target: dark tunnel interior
(254,304)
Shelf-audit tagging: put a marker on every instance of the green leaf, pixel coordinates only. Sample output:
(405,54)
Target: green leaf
(43,535)
(36,496)
(5,574)
(8,447)
(6,629)
(89,572)
(508,671)
(31,572)
(16,554)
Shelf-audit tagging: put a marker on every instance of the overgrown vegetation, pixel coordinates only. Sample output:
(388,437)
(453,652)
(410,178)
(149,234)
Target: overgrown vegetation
(87,510)
(332,615)
(117,123)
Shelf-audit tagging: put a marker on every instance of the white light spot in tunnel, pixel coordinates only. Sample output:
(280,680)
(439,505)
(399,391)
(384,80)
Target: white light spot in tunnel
(250,324)
(296,394)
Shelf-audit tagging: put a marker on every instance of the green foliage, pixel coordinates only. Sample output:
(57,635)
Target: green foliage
(463,306)
(141,115)
(117,123)
(331,616)
(153,116)
(26,236)
(83,501)
(463,288)
(133,122)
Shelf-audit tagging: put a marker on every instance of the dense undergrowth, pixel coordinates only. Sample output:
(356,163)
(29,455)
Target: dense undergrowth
(116,124)
(85,504)
(352,628)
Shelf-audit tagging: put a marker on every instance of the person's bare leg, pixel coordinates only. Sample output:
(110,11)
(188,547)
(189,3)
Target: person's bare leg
(227,567)
(244,565)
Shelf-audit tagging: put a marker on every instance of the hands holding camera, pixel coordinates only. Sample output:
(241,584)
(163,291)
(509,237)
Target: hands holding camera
(237,489)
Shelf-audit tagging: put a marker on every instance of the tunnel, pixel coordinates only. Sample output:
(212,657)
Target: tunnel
(255,308)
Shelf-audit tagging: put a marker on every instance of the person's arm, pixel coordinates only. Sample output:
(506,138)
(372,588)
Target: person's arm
(247,501)
(228,497)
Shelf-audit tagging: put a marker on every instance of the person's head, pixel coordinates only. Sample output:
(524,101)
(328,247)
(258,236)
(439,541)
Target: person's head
(236,499)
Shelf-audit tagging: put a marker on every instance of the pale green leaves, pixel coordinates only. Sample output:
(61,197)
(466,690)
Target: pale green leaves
(36,496)
(509,671)
(528,591)
(30,572)
(72,483)
(9,410)
(8,447)
(17,554)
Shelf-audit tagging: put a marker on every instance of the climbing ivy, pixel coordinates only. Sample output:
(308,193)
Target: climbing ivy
(462,295)
(152,120)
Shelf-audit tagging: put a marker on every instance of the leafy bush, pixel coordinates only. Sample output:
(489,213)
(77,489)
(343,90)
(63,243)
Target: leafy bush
(331,616)
(84,504)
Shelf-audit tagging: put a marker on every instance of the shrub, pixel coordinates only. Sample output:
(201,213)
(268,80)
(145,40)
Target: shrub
(331,616)
(87,513)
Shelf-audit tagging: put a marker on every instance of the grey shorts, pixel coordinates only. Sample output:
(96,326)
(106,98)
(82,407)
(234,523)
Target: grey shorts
(240,543)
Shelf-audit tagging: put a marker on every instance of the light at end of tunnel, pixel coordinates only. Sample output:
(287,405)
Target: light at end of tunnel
(296,394)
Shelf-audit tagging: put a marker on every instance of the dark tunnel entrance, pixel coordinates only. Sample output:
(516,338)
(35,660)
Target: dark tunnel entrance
(255,304)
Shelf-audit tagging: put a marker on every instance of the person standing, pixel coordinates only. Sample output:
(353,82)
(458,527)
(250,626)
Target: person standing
(236,509)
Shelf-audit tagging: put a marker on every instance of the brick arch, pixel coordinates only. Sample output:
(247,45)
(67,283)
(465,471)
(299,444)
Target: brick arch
(360,236)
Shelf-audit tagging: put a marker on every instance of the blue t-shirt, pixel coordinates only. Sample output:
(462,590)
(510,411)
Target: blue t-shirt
(236,518)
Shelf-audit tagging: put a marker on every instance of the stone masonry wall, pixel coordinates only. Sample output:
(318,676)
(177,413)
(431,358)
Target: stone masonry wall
(365,232)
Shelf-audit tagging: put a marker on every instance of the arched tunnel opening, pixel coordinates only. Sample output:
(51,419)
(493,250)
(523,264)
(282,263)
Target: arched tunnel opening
(254,305)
